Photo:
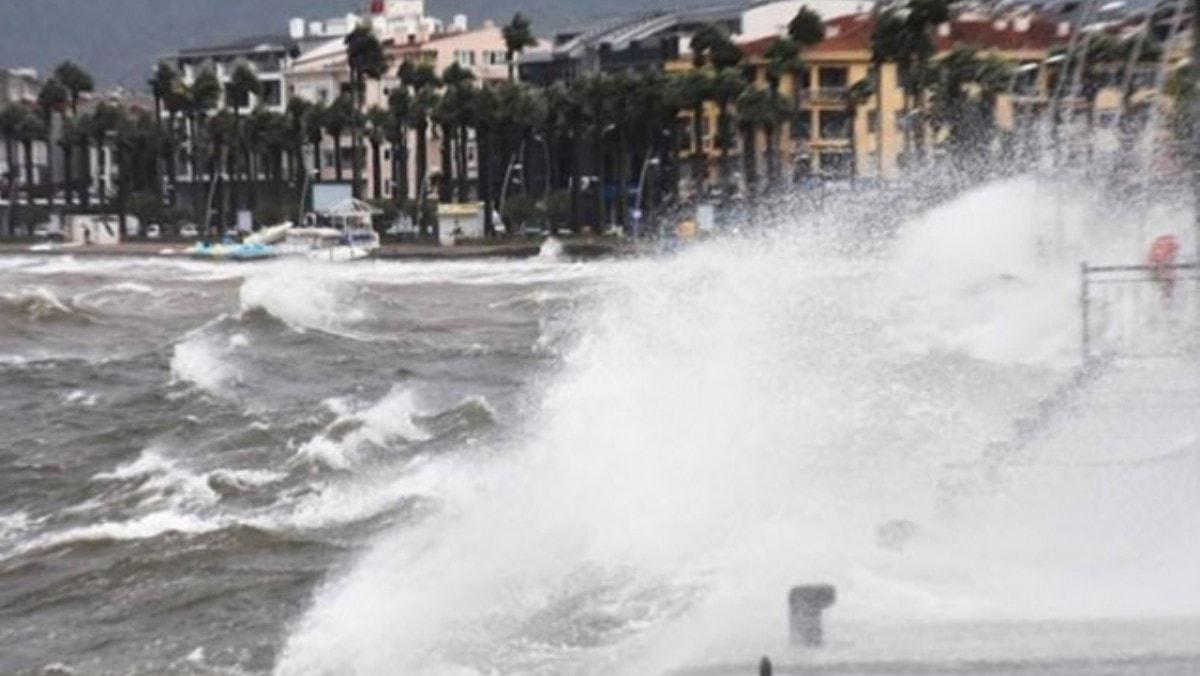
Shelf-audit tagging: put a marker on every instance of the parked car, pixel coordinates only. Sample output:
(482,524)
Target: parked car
(47,231)
(154,231)
(189,231)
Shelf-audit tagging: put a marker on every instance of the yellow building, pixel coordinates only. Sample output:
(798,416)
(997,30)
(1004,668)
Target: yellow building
(830,135)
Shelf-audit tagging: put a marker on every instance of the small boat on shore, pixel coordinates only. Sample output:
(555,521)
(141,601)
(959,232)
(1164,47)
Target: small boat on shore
(252,251)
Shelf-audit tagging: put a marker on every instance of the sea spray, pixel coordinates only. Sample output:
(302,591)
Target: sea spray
(730,421)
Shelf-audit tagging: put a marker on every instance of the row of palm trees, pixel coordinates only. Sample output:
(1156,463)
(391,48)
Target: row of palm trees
(597,147)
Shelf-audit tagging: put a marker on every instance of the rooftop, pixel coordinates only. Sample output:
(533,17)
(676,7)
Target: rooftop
(853,33)
(254,43)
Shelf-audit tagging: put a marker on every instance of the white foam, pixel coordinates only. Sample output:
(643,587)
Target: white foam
(200,362)
(741,418)
(389,421)
(80,398)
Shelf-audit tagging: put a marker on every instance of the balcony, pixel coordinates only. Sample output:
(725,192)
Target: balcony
(824,95)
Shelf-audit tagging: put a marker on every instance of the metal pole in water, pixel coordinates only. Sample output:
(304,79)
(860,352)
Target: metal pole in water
(765,668)
(805,605)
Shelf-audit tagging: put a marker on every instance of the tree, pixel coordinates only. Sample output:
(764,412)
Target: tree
(30,130)
(453,113)
(399,111)
(758,109)
(162,87)
(202,98)
(424,102)
(378,121)
(242,83)
(727,86)
(53,99)
(906,40)
(367,61)
(694,88)
(518,35)
(855,96)
(783,58)
(806,28)
(77,81)
(337,117)
(102,127)
(10,120)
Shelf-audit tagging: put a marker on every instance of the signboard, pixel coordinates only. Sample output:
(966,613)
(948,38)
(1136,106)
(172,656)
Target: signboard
(328,195)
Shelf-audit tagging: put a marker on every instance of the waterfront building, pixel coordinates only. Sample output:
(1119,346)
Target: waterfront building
(650,40)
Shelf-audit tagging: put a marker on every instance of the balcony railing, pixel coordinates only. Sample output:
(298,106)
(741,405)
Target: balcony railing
(829,94)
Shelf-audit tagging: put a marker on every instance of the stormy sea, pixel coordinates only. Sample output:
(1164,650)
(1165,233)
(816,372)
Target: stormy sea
(557,467)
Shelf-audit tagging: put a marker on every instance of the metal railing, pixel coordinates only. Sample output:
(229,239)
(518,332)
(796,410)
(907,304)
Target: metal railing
(1139,310)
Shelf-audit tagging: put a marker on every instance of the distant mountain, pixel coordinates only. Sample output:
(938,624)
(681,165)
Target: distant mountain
(119,40)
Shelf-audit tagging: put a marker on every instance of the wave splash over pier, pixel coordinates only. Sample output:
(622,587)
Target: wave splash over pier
(812,403)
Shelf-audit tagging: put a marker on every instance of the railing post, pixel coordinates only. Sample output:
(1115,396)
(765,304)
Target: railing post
(1085,311)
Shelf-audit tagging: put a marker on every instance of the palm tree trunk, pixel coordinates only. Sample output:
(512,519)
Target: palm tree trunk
(27,146)
(576,174)
(10,161)
(447,150)
(356,134)
(337,154)
(622,177)
(699,159)
(422,168)
(598,155)
(376,171)
(402,174)
(750,160)
(484,143)
(464,168)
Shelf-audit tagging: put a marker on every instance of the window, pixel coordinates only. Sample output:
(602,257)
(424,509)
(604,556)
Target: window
(272,94)
(835,124)
(832,78)
(495,58)
(837,164)
(802,125)
(387,155)
(873,121)
(464,57)
(322,95)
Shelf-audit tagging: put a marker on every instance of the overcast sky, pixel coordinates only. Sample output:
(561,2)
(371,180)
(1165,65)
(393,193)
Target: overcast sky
(119,40)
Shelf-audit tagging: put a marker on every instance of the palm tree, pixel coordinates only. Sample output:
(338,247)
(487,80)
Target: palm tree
(162,86)
(727,86)
(518,35)
(457,107)
(53,98)
(906,40)
(783,58)
(176,102)
(399,111)
(758,109)
(337,117)
(203,96)
(694,89)
(221,136)
(242,83)
(854,97)
(378,121)
(77,81)
(30,131)
(103,124)
(424,102)
(595,94)
(484,118)
(10,120)
(367,61)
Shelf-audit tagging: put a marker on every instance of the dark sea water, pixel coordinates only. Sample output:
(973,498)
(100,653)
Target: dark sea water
(548,467)
(186,452)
